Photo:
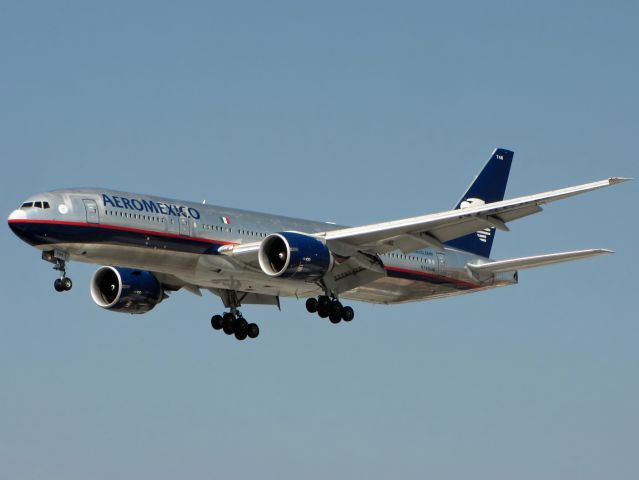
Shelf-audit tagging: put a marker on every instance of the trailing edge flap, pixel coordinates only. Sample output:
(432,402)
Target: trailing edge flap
(534,261)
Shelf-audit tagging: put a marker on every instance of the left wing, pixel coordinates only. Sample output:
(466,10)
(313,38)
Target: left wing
(360,244)
(433,230)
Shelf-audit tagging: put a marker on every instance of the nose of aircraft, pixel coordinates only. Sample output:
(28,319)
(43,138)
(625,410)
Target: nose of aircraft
(17,214)
(15,224)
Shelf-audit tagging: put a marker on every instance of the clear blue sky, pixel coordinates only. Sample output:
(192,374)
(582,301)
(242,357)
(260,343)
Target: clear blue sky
(354,112)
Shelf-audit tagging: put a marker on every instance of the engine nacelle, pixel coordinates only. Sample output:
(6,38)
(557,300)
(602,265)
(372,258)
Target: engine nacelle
(294,255)
(126,290)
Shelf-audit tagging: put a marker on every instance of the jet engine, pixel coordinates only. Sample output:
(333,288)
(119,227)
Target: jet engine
(294,255)
(125,290)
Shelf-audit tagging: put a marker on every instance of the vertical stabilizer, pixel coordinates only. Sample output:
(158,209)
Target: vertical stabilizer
(487,187)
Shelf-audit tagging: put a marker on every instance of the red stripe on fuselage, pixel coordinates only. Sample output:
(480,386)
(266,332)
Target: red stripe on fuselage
(123,229)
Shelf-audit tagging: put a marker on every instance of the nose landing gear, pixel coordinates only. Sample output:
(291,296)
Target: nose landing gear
(325,307)
(58,258)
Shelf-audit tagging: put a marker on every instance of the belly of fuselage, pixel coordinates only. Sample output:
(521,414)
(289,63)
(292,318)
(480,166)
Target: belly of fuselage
(216,272)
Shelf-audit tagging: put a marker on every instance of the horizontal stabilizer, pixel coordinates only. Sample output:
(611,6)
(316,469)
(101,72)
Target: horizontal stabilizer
(535,261)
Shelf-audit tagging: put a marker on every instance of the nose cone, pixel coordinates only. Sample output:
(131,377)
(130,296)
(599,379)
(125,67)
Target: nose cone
(17,214)
(17,223)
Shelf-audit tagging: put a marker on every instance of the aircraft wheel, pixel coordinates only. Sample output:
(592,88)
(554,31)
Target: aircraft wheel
(347,314)
(217,322)
(228,322)
(323,313)
(252,330)
(240,326)
(240,335)
(323,303)
(311,305)
(58,285)
(67,284)
(335,312)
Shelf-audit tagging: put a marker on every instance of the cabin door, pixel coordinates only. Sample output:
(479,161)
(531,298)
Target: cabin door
(91,208)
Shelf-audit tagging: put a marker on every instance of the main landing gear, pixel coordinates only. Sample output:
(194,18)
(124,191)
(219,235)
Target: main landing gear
(233,323)
(64,283)
(324,306)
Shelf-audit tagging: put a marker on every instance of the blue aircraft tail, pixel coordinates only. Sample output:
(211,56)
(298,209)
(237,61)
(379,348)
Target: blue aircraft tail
(488,187)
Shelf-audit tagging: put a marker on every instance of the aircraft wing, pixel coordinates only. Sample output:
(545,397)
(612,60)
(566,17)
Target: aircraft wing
(362,244)
(432,230)
(513,264)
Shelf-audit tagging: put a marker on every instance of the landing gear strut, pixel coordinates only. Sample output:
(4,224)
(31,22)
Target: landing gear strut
(233,323)
(63,283)
(324,306)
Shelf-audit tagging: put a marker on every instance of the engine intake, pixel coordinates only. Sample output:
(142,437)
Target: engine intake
(294,255)
(125,290)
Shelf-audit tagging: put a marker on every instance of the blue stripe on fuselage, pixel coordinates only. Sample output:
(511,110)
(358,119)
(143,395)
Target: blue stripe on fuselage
(52,232)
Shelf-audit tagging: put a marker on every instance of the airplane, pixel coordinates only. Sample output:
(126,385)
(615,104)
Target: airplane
(152,246)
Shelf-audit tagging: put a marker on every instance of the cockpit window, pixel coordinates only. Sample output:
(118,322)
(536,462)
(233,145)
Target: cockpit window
(35,205)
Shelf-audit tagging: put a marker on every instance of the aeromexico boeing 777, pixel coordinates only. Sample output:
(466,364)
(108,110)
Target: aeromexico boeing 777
(152,246)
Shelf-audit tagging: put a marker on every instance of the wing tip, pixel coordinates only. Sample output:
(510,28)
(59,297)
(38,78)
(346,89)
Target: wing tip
(616,180)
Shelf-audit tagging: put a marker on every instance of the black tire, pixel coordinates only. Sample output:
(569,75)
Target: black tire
(240,326)
(217,322)
(311,305)
(335,312)
(228,323)
(323,303)
(334,317)
(67,283)
(58,285)
(240,335)
(228,320)
(252,330)
(323,313)
(335,308)
(348,314)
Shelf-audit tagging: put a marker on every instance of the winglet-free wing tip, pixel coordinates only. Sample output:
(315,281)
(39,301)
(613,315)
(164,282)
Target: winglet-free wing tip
(616,180)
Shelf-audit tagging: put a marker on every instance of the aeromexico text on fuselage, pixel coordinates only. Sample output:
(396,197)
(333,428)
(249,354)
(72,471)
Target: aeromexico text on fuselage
(150,206)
